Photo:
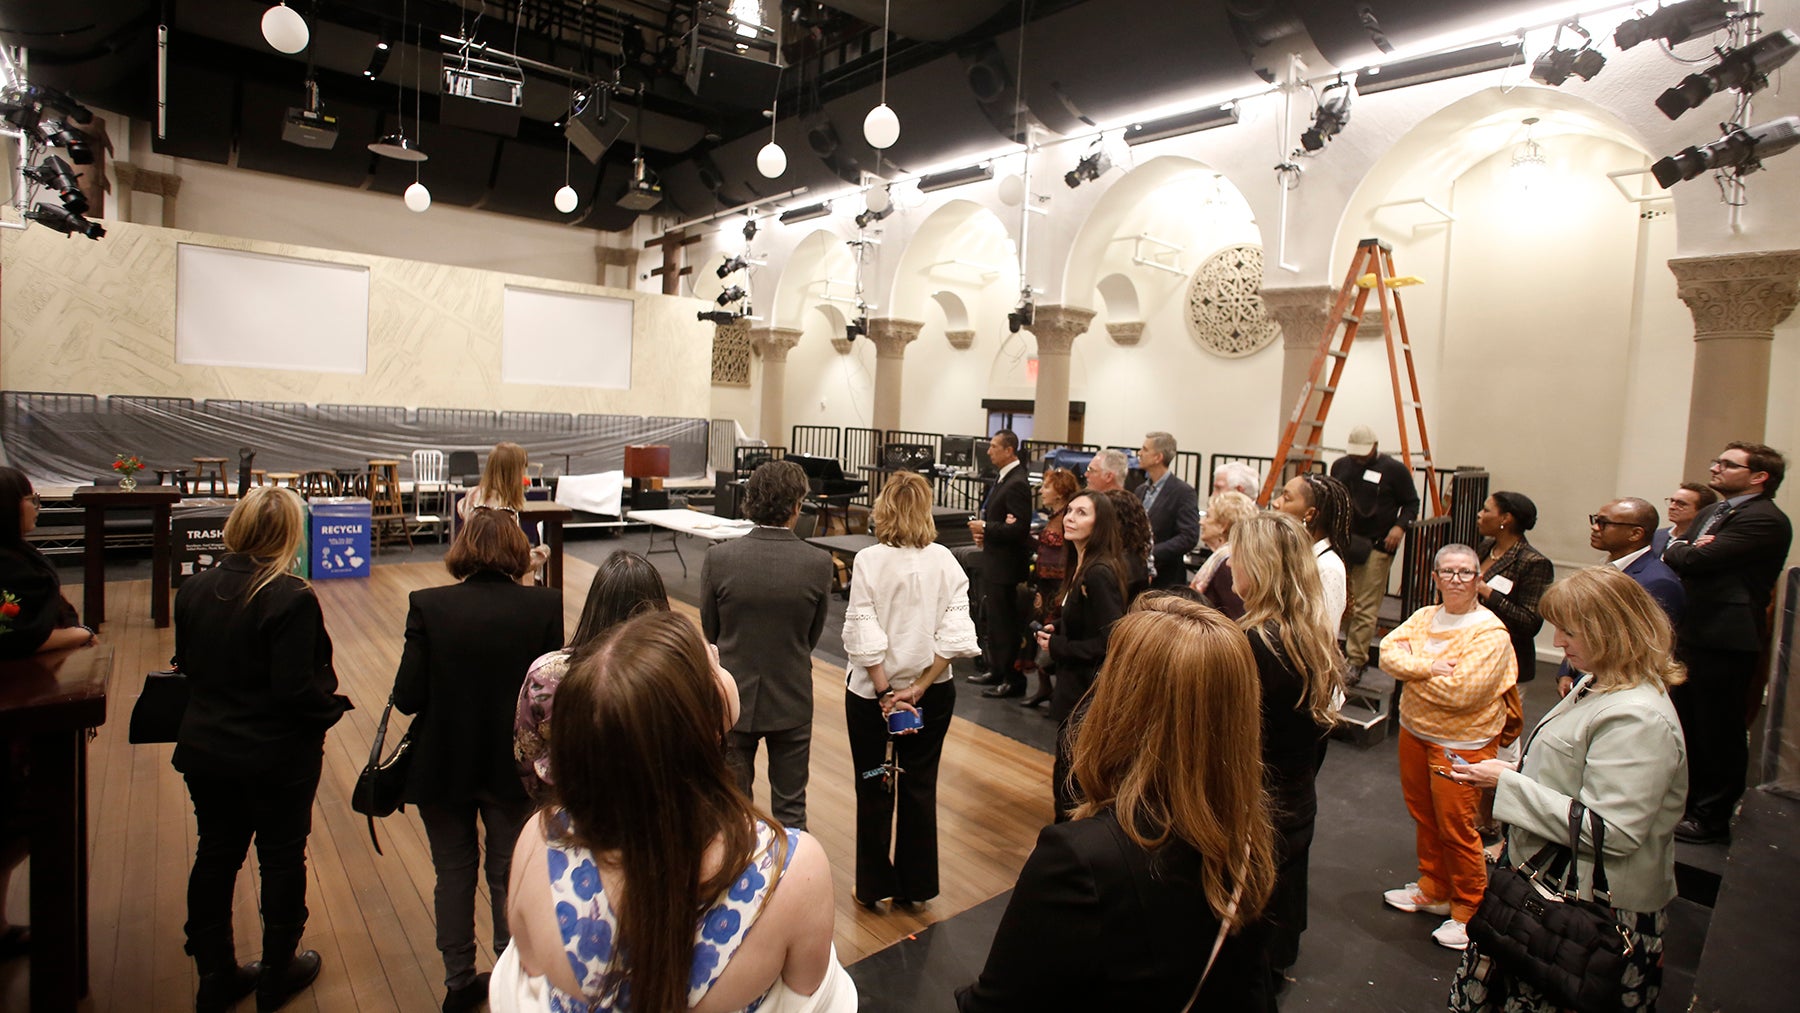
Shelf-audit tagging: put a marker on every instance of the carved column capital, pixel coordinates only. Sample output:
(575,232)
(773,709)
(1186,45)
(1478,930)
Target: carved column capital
(773,343)
(1738,295)
(1126,332)
(1057,327)
(960,340)
(1301,311)
(891,335)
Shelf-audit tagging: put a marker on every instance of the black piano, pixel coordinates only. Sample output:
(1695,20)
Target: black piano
(826,476)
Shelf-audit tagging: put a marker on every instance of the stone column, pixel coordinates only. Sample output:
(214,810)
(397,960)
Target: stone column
(1737,300)
(773,343)
(1056,328)
(1302,311)
(891,336)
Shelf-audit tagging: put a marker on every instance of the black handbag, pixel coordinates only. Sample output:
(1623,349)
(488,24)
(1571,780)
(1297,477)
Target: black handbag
(1538,930)
(156,717)
(381,787)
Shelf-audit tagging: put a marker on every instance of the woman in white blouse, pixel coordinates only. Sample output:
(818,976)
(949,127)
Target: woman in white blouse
(908,617)
(1322,505)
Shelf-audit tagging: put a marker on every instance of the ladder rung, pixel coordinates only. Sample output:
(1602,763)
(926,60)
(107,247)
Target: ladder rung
(1337,353)
(1412,404)
(1351,318)
(1325,388)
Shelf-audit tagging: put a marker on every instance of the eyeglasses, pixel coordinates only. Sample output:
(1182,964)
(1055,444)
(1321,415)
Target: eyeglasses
(1724,465)
(1672,501)
(1597,521)
(35,500)
(1458,576)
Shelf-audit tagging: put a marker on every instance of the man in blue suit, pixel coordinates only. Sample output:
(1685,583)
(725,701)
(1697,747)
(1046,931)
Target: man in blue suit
(1623,529)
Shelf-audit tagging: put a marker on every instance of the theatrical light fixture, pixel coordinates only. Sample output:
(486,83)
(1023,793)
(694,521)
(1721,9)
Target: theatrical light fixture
(1557,64)
(1741,150)
(720,317)
(1022,315)
(1439,66)
(1745,70)
(57,134)
(871,216)
(1333,114)
(377,61)
(805,214)
(1091,167)
(749,229)
(1676,23)
(731,264)
(957,177)
(858,328)
(285,29)
(733,294)
(55,173)
(1182,123)
(65,221)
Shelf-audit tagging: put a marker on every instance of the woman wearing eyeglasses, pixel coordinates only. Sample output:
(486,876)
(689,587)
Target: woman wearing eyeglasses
(1458,665)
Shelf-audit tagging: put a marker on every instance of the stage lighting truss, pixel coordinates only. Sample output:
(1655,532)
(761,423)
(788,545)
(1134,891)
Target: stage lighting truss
(1745,70)
(1557,64)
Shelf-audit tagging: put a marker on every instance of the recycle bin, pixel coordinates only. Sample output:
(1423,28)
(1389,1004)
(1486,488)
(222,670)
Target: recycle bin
(339,543)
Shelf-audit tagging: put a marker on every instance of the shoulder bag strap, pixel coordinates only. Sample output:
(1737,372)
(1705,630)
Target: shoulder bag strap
(1597,830)
(1225,923)
(1571,885)
(380,733)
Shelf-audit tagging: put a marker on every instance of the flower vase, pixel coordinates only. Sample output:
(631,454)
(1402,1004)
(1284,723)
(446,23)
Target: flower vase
(128,483)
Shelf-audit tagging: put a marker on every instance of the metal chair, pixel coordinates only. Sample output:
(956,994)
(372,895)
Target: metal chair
(431,480)
(464,467)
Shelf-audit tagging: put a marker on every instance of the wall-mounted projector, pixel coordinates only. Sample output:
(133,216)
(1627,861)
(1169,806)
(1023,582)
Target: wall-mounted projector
(482,94)
(309,126)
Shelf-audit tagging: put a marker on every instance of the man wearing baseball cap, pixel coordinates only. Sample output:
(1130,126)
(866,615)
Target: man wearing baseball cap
(1383,503)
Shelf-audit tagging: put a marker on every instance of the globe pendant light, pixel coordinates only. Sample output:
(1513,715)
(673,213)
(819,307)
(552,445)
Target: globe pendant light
(881,128)
(771,161)
(565,199)
(418,199)
(285,29)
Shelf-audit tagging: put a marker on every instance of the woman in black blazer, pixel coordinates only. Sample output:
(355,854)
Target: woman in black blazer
(1514,575)
(1121,908)
(262,692)
(468,646)
(1093,598)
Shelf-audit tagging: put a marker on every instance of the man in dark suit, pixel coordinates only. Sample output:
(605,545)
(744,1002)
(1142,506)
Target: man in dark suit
(1623,530)
(763,600)
(1728,561)
(1004,533)
(1174,510)
(1685,504)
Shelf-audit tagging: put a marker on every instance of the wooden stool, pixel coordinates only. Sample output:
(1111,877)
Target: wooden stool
(384,497)
(259,476)
(352,481)
(319,482)
(291,479)
(176,477)
(211,470)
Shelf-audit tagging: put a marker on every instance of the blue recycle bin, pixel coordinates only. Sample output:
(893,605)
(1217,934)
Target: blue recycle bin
(339,542)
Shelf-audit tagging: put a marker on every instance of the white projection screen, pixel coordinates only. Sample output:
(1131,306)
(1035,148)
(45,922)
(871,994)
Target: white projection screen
(566,340)
(251,309)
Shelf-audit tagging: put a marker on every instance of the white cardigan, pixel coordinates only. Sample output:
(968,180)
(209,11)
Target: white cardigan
(907,606)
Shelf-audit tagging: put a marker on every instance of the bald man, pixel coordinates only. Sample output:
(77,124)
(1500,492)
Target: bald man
(1623,530)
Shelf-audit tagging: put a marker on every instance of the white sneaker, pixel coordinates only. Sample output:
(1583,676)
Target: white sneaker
(1452,934)
(1410,898)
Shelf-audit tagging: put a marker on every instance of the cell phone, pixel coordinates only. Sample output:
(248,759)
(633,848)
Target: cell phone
(1441,772)
(905,721)
(1455,759)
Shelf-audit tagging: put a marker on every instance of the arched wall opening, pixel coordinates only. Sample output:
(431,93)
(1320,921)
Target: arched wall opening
(817,296)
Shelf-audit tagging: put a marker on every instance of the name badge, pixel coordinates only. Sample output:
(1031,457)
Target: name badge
(1372,476)
(1501,584)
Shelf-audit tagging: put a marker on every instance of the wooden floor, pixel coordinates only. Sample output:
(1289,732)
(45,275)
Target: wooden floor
(371,915)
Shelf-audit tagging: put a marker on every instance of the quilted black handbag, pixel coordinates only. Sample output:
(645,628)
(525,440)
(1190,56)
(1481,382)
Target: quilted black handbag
(1538,930)
(156,717)
(381,786)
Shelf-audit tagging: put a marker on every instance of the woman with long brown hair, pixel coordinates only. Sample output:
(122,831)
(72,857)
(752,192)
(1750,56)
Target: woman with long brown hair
(1149,898)
(1049,570)
(502,487)
(651,868)
(1297,661)
(1092,599)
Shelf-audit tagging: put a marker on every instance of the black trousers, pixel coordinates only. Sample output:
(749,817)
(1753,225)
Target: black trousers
(790,764)
(1297,808)
(909,811)
(450,827)
(1712,705)
(1005,628)
(275,810)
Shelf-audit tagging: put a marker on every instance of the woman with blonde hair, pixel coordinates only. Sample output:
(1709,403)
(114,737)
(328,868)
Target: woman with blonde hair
(1300,669)
(1614,744)
(1149,898)
(908,617)
(251,639)
(1224,512)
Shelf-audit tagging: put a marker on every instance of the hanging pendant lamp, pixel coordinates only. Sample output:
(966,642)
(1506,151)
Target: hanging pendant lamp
(284,29)
(397,145)
(881,128)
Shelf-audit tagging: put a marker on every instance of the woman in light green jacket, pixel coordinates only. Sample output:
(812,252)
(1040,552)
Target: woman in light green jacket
(1615,744)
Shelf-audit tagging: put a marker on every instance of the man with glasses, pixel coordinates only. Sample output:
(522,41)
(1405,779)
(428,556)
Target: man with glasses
(1690,498)
(1728,561)
(1622,529)
(1174,509)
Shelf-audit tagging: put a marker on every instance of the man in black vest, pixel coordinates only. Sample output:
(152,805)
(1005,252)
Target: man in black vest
(1728,560)
(1004,533)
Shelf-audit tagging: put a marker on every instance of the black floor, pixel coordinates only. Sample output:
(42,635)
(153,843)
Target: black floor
(1356,955)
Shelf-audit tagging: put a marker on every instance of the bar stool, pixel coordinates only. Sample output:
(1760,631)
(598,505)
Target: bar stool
(259,476)
(384,497)
(211,470)
(319,482)
(176,477)
(291,479)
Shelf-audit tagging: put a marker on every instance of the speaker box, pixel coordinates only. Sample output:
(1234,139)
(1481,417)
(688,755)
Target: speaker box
(725,496)
(595,128)
(716,75)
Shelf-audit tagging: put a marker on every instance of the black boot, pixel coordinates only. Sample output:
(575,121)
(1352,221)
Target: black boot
(220,990)
(281,982)
(468,997)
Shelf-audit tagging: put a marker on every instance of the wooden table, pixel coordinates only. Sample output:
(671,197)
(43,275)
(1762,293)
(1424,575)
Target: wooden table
(49,701)
(552,516)
(96,500)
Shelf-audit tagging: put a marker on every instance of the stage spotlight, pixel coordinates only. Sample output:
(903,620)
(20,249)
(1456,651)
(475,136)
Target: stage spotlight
(731,264)
(1021,316)
(55,173)
(1746,70)
(730,295)
(377,61)
(1333,114)
(1557,63)
(870,216)
(716,317)
(1741,149)
(857,328)
(1090,168)
(749,229)
(58,134)
(65,221)
(1676,23)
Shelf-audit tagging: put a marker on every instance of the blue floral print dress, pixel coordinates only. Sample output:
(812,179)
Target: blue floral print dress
(589,924)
